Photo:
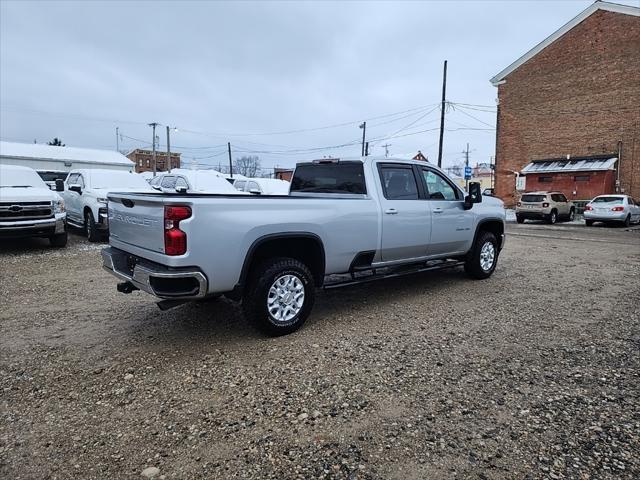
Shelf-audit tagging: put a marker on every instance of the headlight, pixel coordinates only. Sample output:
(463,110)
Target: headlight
(102,200)
(59,206)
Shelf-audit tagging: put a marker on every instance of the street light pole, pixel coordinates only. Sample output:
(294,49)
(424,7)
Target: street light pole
(154,125)
(168,151)
(363,126)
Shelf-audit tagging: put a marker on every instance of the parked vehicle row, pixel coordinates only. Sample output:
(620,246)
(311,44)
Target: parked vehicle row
(366,218)
(192,181)
(554,206)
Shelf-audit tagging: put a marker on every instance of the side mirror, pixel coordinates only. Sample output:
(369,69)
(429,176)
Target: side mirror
(59,185)
(74,187)
(255,191)
(156,187)
(181,189)
(475,195)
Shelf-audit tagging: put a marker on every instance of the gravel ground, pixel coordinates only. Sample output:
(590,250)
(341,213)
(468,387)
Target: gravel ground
(533,373)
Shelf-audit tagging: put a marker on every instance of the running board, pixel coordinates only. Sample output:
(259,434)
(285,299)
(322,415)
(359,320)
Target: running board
(389,272)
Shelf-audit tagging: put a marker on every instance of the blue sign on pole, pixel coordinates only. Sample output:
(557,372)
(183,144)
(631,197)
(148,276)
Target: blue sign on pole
(467,173)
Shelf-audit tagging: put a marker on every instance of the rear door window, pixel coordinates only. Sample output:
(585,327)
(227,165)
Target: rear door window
(399,182)
(334,177)
(239,185)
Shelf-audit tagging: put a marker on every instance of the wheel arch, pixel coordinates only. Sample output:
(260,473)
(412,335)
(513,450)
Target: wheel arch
(493,225)
(306,247)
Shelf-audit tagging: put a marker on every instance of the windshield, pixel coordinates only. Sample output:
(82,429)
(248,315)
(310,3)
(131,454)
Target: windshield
(607,200)
(115,179)
(533,198)
(20,178)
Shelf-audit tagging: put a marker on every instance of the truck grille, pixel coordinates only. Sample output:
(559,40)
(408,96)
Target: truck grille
(16,211)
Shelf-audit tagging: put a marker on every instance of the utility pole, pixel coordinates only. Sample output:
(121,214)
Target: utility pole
(117,141)
(168,151)
(230,162)
(154,125)
(363,126)
(386,149)
(442,107)
(366,149)
(466,164)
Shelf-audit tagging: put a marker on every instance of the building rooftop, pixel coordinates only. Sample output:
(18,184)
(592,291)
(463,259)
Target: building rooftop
(71,154)
(590,10)
(577,164)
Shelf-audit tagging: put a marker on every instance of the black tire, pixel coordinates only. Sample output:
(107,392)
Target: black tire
(588,223)
(519,219)
(90,229)
(553,217)
(572,215)
(256,296)
(473,264)
(59,240)
(627,221)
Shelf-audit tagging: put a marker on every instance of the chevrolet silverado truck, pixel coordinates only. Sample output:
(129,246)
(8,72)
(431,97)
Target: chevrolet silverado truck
(343,222)
(28,207)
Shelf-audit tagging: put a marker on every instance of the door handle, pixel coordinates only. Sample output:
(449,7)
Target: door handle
(437,210)
(391,211)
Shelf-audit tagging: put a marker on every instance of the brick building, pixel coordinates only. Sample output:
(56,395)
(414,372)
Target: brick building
(143,160)
(571,99)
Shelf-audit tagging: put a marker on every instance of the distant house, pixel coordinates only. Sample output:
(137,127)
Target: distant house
(568,109)
(143,160)
(61,159)
(283,173)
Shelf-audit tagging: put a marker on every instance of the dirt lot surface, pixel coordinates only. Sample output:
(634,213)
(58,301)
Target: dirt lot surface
(532,373)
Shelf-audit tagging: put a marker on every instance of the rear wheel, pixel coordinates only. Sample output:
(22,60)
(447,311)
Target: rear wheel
(90,227)
(482,260)
(59,240)
(627,221)
(588,222)
(553,217)
(519,219)
(572,215)
(280,295)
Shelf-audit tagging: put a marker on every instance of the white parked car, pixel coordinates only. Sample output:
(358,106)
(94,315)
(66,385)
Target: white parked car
(263,186)
(192,181)
(85,197)
(612,208)
(28,207)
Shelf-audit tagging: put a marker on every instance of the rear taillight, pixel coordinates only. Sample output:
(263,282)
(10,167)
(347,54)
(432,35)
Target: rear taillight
(175,240)
(545,205)
(588,207)
(617,209)
(519,204)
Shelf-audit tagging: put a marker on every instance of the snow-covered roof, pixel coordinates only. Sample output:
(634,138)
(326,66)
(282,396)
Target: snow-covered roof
(590,10)
(71,154)
(571,165)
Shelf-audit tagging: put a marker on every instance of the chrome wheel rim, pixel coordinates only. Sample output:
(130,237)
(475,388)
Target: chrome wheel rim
(286,298)
(487,256)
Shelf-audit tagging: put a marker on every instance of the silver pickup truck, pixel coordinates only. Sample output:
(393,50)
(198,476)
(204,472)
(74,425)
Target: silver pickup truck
(344,221)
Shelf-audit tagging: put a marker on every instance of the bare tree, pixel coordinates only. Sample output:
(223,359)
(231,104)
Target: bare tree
(248,166)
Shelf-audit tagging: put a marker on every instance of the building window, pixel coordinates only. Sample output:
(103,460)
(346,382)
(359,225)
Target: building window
(545,179)
(139,163)
(581,178)
(147,163)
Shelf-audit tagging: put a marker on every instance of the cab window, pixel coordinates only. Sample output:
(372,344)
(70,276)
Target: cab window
(438,188)
(169,182)
(399,182)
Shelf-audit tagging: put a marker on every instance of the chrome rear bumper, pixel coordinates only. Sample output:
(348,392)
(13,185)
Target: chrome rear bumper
(153,278)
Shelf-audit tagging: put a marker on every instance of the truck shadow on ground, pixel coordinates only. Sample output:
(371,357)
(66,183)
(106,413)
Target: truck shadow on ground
(221,322)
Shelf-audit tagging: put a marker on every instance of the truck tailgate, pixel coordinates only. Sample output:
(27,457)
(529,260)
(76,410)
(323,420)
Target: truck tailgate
(137,220)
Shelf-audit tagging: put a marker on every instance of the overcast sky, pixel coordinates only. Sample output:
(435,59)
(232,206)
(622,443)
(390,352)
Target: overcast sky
(245,72)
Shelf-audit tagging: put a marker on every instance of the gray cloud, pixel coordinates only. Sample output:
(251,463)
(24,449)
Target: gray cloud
(248,67)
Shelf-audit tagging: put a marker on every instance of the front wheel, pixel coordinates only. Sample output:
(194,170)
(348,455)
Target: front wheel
(90,227)
(519,219)
(279,296)
(482,260)
(572,215)
(59,240)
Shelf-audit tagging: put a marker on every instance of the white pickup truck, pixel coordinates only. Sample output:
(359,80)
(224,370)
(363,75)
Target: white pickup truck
(343,222)
(28,207)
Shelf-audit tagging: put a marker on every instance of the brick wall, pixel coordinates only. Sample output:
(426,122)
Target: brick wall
(574,185)
(143,160)
(579,96)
